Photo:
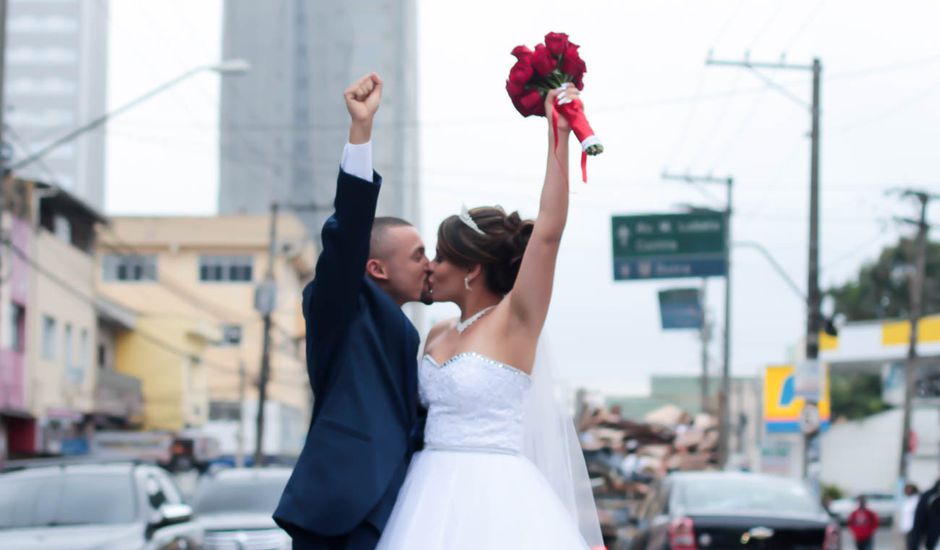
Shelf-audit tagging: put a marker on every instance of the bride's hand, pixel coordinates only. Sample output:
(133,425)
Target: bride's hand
(561,96)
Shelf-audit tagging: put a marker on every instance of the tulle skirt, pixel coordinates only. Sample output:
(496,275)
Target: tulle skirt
(460,500)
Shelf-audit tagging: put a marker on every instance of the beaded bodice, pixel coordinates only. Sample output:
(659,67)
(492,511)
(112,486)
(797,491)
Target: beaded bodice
(473,402)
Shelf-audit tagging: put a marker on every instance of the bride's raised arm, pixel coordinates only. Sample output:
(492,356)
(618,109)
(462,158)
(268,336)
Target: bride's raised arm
(532,292)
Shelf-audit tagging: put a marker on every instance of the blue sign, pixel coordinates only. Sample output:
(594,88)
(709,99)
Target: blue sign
(75,446)
(669,268)
(680,308)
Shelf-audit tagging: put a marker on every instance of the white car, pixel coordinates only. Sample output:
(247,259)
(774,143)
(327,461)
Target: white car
(235,506)
(52,505)
(882,504)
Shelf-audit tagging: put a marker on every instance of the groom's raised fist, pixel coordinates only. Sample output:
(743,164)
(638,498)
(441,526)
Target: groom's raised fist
(363,97)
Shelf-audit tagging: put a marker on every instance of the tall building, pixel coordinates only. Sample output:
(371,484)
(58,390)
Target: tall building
(283,125)
(56,69)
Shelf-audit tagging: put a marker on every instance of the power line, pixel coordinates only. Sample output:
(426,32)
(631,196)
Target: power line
(767,23)
(206,306)
(810,18)
(90,300)
(905,103)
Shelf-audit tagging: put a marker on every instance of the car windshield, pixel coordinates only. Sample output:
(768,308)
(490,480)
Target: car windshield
(69,498)
(249,494)
(745,496)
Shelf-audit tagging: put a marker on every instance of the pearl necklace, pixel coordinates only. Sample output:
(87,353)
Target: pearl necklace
(464,325)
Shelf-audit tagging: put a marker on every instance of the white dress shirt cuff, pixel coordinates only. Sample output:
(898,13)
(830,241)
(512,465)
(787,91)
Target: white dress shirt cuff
(357,160)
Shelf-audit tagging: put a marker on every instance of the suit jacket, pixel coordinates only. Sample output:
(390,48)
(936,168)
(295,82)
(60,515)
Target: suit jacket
(926,530)
(362,362)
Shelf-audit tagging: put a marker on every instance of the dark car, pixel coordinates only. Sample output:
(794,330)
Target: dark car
(235,506)
(701,510)
(101,506)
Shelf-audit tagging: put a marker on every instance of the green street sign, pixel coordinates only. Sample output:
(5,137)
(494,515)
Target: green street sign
(660,246)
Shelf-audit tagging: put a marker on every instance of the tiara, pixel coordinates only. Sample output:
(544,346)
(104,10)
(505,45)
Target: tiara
(468,220)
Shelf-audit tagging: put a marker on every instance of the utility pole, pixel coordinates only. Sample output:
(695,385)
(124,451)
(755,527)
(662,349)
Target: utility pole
(916,289)
(265,302)
(240,434)
(3,161)
(724,393)
(706,336)
(814,297)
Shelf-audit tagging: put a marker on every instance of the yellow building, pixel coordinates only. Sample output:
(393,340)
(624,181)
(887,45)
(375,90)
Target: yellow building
(198,339)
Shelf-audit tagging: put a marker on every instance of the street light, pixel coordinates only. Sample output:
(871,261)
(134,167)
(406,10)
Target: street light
(226,67)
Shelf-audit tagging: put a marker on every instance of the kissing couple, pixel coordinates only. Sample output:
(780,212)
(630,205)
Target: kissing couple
(467,447)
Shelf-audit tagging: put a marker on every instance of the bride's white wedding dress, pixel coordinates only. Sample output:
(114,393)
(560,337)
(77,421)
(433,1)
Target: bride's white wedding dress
(472,488)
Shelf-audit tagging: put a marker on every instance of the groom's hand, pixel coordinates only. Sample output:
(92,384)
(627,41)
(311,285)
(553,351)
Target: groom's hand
(362,101)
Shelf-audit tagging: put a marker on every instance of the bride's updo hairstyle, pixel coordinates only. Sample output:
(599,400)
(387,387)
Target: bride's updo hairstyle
(498,246)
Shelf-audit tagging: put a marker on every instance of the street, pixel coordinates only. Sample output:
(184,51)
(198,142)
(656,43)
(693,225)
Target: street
(885,539)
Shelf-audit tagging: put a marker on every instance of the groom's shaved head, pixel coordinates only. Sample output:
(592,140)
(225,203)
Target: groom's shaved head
(380,246)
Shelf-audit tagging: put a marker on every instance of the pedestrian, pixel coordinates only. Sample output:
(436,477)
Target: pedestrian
(926,528)
(863,523)
(908,509)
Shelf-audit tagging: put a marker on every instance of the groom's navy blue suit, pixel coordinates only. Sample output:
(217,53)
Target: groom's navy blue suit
(362,361)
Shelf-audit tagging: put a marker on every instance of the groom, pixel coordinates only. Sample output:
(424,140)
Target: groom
(361,357)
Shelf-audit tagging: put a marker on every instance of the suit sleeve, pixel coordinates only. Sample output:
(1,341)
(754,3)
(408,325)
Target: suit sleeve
(920,524)
(342,262)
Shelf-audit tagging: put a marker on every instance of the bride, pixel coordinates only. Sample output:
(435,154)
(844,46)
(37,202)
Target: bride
(501,468)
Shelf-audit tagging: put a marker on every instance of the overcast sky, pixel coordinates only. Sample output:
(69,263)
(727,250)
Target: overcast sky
(654,104)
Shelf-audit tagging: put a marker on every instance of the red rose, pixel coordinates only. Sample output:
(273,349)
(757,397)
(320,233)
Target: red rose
(579,82)
(521,72)
(572,64)
(514,90)
(556,42)
(543,61)
(521,52)
(532,103)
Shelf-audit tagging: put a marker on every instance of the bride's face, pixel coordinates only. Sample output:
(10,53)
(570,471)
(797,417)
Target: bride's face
(446,280)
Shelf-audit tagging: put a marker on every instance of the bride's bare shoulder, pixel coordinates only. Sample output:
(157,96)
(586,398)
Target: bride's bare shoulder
(438,330)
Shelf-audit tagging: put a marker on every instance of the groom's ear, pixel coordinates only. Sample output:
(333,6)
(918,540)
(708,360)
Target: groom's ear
(376,269)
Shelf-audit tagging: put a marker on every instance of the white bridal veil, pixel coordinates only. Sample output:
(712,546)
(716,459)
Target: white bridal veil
(551,442)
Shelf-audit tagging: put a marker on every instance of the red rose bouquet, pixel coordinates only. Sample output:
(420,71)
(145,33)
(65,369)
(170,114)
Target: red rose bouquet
(539,71)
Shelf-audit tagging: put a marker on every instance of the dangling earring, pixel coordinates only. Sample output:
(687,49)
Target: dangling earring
(466,283)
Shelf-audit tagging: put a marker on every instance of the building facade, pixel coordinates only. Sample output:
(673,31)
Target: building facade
(197,341)
(48,380)
(283,125)
(56,79)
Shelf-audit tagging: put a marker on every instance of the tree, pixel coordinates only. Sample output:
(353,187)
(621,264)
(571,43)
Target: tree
(855,395)
(881,289)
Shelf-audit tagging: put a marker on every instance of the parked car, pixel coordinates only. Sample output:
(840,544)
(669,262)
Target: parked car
(102,506)
(701,510)
(882,504)
(235,506)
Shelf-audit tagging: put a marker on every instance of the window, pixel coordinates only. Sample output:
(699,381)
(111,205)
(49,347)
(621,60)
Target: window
(82,350)
(102,356)
(231,335)
(224,410)
(130,267)
(48,338)
(217,269)
(17,330)
(62,228)
(67,345)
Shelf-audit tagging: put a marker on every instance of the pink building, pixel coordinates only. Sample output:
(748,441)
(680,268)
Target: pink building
(17,424)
